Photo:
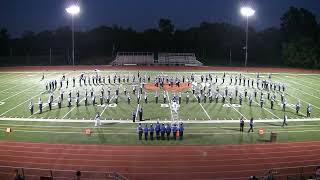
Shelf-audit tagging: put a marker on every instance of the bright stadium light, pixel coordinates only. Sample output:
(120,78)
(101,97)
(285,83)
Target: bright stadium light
(73,10)
(247,12)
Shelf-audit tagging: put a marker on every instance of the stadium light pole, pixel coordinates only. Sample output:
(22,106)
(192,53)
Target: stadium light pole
(247,12)
(73,10)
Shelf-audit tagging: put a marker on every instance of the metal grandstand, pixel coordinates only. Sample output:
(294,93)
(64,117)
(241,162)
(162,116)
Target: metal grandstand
(178,59)
(133,58)
(148,58)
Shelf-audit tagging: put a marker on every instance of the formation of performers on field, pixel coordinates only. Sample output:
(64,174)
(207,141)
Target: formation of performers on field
(205,90)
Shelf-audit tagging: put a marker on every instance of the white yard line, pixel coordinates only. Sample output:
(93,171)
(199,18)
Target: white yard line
(302,100)
(72,109)
(104,109)
(21,103)
(137,111)
(302,91)
(170,105)
(234,108)
(34,86)
(153,121)
(303,84)
(267,110)
(16,94)
(202,107)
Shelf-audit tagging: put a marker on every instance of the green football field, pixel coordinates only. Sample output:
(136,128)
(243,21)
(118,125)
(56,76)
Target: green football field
(205,123)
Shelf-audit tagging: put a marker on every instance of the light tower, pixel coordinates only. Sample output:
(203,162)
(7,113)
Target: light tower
(73,10)
(247,12)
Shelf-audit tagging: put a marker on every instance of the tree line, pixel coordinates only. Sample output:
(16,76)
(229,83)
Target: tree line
(295,43)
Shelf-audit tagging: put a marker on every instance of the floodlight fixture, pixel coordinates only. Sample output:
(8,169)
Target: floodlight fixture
(73,10)
(247,11)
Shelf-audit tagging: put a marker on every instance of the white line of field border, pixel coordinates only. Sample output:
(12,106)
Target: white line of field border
(154,121)
(127,133)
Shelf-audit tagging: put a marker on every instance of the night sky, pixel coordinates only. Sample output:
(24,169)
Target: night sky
(37,15)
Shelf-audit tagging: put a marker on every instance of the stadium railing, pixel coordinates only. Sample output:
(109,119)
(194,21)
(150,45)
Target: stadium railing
(6,172)
(297,173)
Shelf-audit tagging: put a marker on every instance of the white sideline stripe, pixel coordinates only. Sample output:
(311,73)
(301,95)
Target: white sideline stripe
(154,121)
(72,109)
(21,103)
(196,128)
(202,107)
(127,133)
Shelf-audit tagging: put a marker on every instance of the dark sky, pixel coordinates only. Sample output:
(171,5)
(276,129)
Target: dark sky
(37,15)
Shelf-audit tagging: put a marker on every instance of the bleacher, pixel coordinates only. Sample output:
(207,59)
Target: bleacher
(178,59)
(133,58)
(147,58)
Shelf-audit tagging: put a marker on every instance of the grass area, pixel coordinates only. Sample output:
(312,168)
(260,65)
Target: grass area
(195,134)
(19,88)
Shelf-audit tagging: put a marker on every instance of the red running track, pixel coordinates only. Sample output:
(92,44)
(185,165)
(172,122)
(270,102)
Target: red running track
(160,162)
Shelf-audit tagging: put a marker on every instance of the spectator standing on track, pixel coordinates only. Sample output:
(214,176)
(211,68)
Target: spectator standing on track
(285,117)
(151,132)
(78,175)
(31,107)
(134,116)
(140,131)
(251,125)
(241,124)
(17,176)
